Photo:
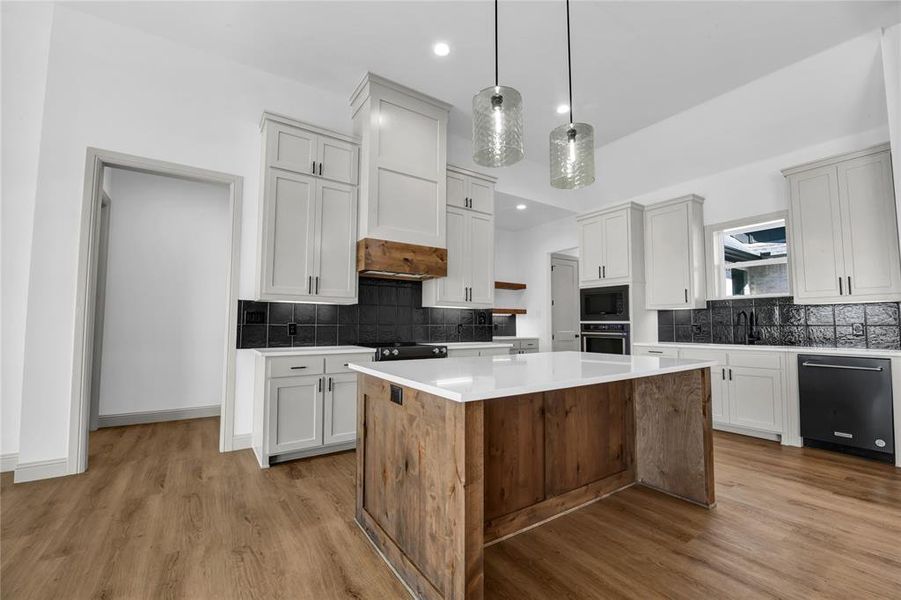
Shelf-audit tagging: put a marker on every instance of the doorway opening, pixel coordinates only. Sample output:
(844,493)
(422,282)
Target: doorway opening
(564,266)
(157,297)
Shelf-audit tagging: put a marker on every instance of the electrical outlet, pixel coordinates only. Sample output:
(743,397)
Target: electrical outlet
(292,328)
(857,328)
(254,317)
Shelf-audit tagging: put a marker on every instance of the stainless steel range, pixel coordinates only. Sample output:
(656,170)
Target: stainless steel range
(406,351)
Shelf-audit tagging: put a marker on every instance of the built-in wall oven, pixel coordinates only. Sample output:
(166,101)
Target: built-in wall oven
(606,338)
(604,304)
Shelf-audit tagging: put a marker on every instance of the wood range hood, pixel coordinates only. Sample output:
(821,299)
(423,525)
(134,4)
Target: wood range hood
(386,259)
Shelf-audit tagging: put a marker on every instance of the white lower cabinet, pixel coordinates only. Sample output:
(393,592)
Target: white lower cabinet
(295,413)
(464,352)
(340,423)
(304,415)
(719,383)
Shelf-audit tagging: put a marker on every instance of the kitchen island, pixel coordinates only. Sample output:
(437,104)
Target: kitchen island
(457,453)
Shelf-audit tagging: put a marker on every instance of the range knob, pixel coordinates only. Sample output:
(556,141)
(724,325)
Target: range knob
(436,350)
(444,351)
(395,352)
(386,352)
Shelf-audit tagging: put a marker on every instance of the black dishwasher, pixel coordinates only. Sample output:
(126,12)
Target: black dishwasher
(846,404)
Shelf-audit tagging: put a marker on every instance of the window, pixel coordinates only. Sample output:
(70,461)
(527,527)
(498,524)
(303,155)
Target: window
(749,258)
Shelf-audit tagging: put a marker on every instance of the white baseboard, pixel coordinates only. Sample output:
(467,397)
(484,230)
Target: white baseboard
(158,416)
(41,469)
(8,462)
(764,435)
(240,442)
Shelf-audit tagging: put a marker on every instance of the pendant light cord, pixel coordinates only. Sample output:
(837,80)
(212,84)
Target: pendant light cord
(495,44)
(569,65)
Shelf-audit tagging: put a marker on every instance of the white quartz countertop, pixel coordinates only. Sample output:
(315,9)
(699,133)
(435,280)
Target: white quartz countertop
(313,350)
(471,345)
(512,338)
(479,378)
(761,348)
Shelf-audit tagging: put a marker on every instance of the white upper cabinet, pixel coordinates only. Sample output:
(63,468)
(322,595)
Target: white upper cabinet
(307,222)
(611,246)
(403,162)
(674,254)
(470,244)
(844,236)
(303,148)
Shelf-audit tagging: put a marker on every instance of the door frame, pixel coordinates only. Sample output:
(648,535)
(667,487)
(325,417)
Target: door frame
(551,257)
(86,290)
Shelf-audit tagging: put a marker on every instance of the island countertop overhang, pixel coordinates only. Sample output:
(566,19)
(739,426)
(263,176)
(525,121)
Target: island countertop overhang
(472,379)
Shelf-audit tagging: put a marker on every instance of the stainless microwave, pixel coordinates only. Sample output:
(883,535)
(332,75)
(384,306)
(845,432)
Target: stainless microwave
(604,304)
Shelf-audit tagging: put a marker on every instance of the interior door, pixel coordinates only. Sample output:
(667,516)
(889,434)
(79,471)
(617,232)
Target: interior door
(340,409)
(591,249)
(291,149)
(482,195)
(336,221)
(869,232)
(668,257)
(481,245)
(337,160)
(453,287)
(295,418)
(564,304)
(456,190)
(816,236)
(615,240)
(290,233)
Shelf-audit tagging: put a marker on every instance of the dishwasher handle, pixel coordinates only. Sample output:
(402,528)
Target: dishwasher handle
(848,367)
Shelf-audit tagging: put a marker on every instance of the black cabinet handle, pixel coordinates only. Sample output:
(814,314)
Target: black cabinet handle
(724,374)
(320,168)
(314,167)
(686,295)
(730,374)
(840,292)
(599,272)
(317,284)
(295,368)
(604,270)
(320,384)
(329,384)
(310,284)
(849,285)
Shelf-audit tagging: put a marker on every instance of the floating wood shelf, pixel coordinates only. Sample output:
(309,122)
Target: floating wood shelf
(508,311)
(507,285)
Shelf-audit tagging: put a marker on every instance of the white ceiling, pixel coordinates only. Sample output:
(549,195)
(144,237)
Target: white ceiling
(507,216)
(634,63)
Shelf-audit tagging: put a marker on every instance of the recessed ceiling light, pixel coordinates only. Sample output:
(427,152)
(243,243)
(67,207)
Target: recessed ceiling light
(520,207)
(563,109)
(441,49)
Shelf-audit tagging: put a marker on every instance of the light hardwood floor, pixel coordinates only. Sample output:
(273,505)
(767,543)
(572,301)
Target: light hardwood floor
(161,514)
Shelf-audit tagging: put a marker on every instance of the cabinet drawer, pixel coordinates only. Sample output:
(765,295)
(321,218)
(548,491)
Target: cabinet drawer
(338,362)
(755,360)
(294,366)
(656,351)
(691,353)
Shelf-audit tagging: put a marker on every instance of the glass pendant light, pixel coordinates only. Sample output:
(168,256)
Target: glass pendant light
(572,144)
(496,121)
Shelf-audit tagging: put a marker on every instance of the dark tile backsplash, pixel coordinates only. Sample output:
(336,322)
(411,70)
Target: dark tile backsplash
(388,311)
(781,322)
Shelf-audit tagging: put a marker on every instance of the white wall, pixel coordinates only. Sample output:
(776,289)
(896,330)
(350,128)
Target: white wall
(165,318)
(891,63)
(24,46)
(119,89)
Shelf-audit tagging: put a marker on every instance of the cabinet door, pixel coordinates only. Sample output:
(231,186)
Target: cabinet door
(615,239)
(668,256)
(340,423)
(453,287)
(456,190)
(295,413)
(290,148)
(480,253)
(289,215)
(815,246)
(755,398)
(719,398)
(869,227)
(336,236)
(337,160)
(591,250)
(481,195)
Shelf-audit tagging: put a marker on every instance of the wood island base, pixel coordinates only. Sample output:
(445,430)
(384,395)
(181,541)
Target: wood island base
(437,480)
